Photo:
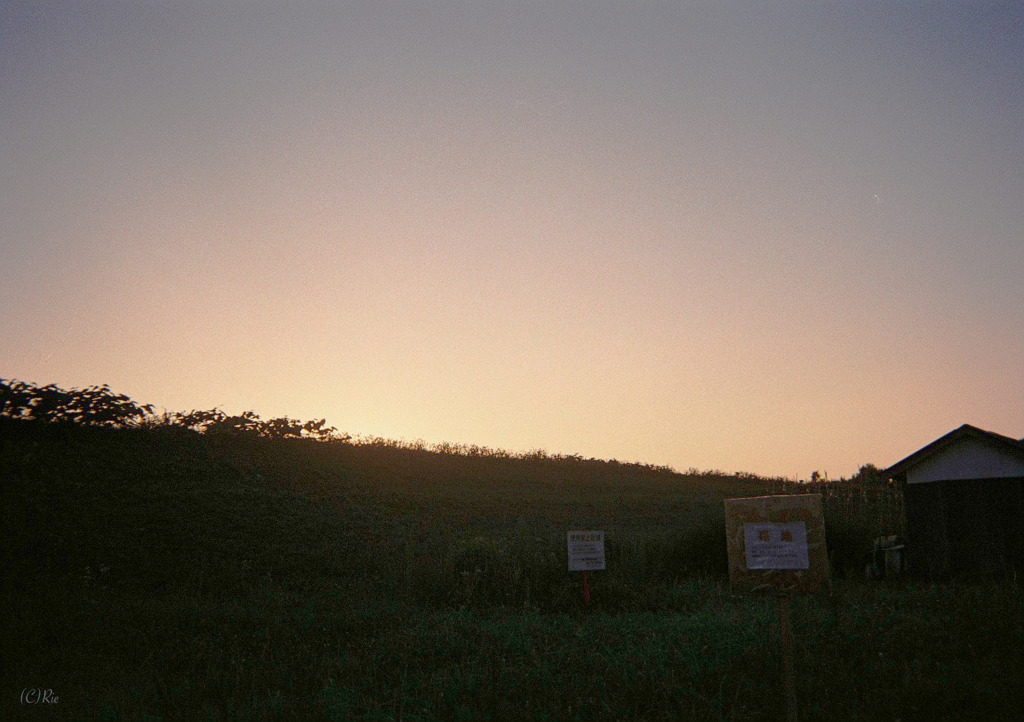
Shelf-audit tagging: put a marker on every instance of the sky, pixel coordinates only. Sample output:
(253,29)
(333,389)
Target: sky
(768,237)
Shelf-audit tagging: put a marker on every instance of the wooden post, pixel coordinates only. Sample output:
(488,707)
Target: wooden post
(786,636)
(586,589)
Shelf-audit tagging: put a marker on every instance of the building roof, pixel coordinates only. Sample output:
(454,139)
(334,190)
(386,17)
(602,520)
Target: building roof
(1005,443)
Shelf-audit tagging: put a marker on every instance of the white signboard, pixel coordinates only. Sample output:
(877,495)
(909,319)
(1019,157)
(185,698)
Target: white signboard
(586,551)
(776,546)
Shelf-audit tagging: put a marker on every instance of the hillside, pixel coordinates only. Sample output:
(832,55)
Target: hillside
(161,505)
(93,480)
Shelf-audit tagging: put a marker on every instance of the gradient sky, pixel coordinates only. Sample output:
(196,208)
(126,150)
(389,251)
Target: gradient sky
(766,237)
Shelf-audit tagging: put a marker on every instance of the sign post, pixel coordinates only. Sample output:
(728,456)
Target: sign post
(776,547)
(786,639)
(586,553)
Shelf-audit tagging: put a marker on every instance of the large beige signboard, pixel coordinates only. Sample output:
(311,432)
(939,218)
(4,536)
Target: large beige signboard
(776,545)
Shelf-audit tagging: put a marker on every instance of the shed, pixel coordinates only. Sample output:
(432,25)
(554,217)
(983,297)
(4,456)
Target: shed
(964,501)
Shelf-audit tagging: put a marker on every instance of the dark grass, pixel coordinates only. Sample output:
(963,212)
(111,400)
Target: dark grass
(164,574)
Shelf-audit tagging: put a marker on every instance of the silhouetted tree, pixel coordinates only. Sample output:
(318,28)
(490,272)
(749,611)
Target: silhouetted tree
(91,406)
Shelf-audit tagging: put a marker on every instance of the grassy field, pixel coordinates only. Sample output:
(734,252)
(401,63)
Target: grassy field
(159,573)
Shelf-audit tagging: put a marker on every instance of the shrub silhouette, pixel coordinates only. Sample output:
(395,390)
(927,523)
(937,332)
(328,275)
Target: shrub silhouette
(99,406)
(91,406)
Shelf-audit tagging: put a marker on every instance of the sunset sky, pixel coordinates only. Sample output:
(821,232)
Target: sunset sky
(766,237)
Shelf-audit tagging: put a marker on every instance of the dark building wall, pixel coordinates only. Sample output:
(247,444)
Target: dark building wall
(965,526)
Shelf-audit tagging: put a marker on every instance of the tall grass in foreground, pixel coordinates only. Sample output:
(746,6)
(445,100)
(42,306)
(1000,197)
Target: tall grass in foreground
(347,652)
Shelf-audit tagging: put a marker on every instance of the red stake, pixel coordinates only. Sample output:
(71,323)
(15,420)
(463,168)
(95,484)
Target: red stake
(586,589)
